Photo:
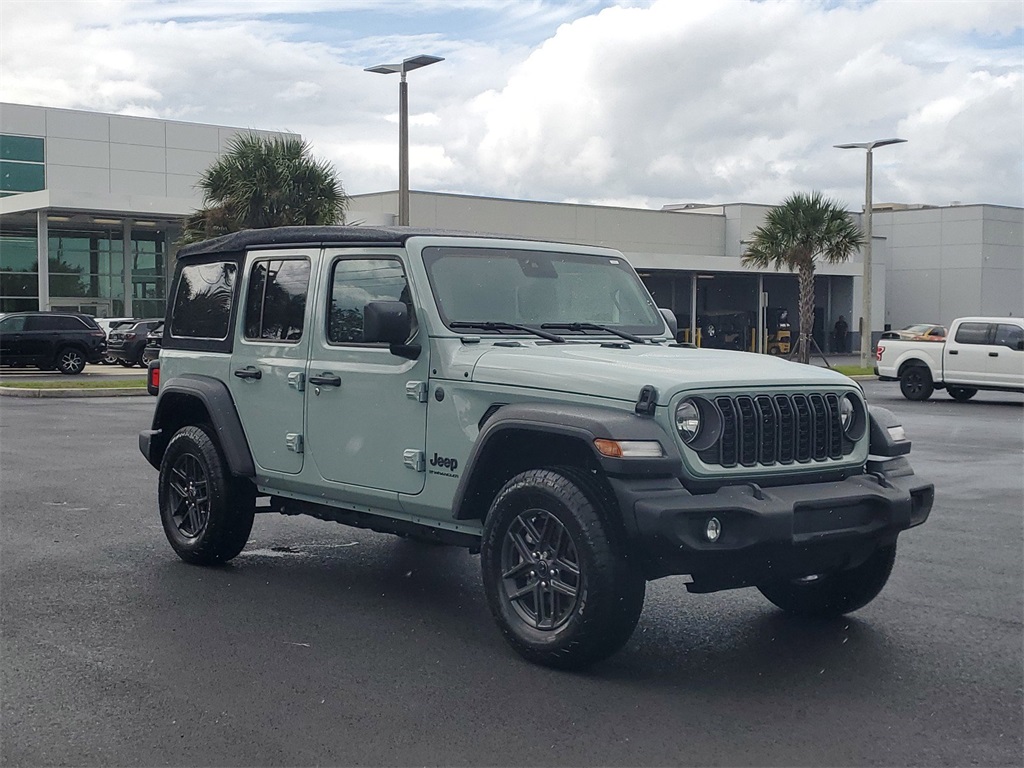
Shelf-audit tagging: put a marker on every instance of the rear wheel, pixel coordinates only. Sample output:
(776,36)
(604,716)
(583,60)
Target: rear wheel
(916,383)
(558,577)
(206,513)
(70,361)
(961,394)
(833,594)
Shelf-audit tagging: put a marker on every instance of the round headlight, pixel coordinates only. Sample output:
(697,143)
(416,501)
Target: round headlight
(688,421)
(846,413)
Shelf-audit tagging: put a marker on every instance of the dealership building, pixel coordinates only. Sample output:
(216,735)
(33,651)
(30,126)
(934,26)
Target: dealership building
(91,206)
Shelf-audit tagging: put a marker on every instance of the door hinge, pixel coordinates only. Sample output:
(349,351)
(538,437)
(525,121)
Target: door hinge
(414,459)
(416,390)
(297,379)
(294,442)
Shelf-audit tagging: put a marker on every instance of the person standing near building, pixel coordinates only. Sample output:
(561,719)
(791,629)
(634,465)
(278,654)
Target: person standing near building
(841,329)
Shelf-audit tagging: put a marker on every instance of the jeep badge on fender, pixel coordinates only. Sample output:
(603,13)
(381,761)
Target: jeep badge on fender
(585,452)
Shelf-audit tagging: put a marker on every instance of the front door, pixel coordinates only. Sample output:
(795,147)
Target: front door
(366,407)
(269,359)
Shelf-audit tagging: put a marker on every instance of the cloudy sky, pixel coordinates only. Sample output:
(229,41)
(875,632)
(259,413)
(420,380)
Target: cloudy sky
(619,102)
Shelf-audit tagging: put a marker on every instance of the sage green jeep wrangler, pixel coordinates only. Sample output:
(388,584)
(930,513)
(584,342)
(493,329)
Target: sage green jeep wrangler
(526,400)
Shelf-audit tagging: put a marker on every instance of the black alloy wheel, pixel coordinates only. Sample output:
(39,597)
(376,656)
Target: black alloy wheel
(70,361)
(189,496)
(916,383)
(206,512)
(540,570)
(560,579)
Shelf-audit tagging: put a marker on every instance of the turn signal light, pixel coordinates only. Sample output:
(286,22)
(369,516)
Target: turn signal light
(629,449)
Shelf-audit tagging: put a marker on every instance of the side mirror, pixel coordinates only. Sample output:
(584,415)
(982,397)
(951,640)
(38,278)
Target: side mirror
(388,322)
(670,319)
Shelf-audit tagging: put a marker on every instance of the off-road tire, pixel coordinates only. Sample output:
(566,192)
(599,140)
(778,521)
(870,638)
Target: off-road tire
(833,594)
(70,361)
(961,394)
(916,382)
(582,531)
(206,513)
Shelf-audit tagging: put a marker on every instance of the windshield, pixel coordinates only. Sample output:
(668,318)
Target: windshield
(539,288)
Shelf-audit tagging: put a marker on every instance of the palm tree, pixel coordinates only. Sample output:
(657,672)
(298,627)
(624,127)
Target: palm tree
(265,181)
(794,234)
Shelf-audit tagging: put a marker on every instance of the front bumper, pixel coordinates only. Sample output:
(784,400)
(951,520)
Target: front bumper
(771,533)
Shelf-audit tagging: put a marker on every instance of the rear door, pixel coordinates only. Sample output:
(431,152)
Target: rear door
(268,362)
(965,356)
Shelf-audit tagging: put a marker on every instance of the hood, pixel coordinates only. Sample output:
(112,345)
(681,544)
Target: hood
(619,373)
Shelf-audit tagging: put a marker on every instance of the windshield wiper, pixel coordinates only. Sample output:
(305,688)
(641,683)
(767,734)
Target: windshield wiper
(498,325)
(580,327)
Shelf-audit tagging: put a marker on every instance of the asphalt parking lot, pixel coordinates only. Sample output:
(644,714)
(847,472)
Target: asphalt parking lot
(322,644)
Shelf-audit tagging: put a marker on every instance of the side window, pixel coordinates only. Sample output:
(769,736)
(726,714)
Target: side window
(202,302)
(356,282)
(1009,335)
(12,324)
(68,323)
(41,323)
(972,333)
(275,306)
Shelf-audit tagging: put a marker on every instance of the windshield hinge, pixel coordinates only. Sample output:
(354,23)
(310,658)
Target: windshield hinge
(647,401)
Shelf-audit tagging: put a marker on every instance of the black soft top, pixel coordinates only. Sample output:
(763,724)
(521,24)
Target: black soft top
(319,236)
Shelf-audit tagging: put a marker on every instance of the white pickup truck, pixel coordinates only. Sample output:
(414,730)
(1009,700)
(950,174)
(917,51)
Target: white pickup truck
(979,353)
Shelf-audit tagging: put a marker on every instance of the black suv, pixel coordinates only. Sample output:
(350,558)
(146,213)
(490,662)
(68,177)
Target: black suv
(65,341)
(127,342)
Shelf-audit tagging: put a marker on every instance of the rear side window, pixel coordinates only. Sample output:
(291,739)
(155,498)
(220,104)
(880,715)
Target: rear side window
(54,323)
(972,333)
(275,304)
(202,301)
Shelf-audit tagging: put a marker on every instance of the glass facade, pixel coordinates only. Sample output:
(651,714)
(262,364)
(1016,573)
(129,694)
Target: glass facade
(22,164)
(86,271)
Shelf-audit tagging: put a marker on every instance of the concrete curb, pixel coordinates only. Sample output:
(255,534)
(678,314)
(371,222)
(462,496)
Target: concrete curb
(76,392)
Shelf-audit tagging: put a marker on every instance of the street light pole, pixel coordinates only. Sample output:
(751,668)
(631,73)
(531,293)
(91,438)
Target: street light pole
(867,353)
(414,62)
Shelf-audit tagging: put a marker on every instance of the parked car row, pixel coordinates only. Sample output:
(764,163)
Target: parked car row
(68,341)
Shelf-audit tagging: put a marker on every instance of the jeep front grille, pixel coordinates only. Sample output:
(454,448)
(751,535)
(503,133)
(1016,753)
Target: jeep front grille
(766,430)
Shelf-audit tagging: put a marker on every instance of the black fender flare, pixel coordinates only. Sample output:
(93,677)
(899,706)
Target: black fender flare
(218,403)
(886,438)
(581,423)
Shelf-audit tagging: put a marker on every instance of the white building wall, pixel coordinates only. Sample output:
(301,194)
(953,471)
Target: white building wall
(98,154)
(951,262)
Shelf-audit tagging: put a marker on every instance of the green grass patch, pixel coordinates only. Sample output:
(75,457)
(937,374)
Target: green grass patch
(853,370)
(78,384)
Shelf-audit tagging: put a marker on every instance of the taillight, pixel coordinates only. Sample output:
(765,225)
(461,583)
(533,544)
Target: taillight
(153,378)
(130,335)
(98,334)
(878,353)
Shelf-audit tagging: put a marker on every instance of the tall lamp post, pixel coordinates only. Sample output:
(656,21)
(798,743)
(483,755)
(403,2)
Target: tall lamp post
(414,62)
(867,355)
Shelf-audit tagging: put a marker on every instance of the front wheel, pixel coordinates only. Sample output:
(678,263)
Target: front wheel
(559,580)
(961,394)
(833,594)
(206,513)
(916,383)
(70,361)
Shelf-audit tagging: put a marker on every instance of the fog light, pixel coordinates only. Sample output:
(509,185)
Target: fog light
(713,529)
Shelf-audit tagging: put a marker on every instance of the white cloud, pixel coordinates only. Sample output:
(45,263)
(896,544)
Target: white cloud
(652,102)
